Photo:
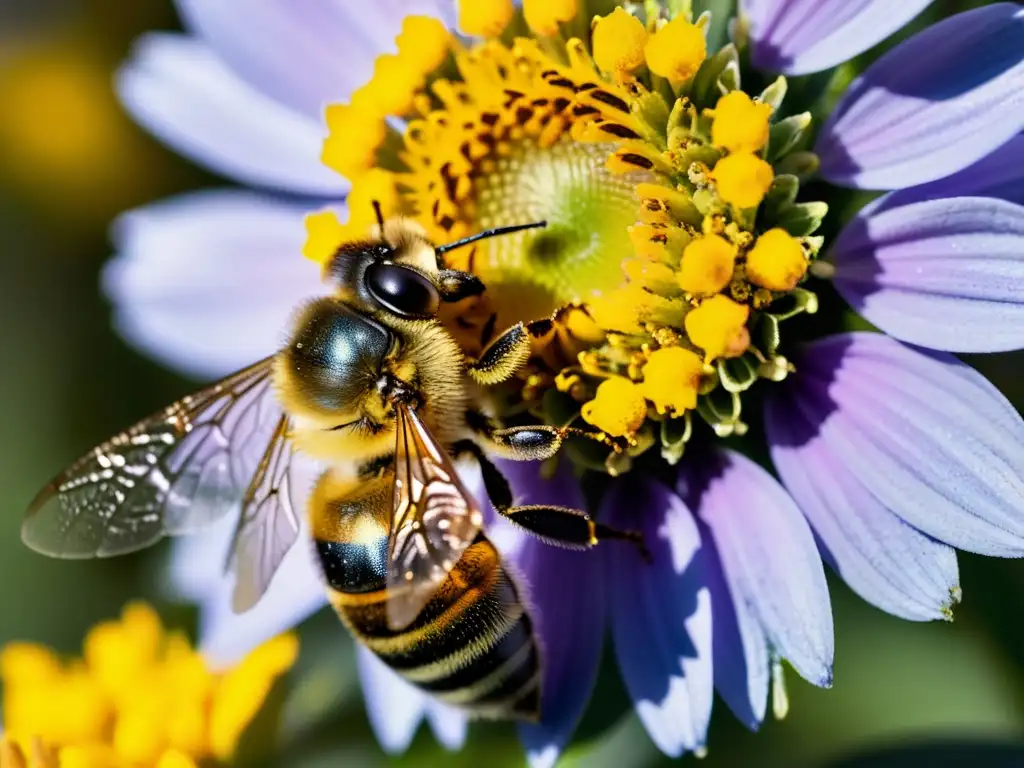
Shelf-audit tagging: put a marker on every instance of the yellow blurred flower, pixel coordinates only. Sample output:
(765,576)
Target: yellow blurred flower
(139,697)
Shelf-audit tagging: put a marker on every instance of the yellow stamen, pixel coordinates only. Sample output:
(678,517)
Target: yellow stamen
(707,265)
(743,179)
(355,132)
(741,124)
(544,16)
(423,43)
(375,185)
(718,326)
(485,18)
(617,409)
(618,41)
(776,261)
(677,50)
(672,379)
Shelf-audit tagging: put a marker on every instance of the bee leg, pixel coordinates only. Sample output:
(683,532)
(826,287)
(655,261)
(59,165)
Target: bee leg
(507,353)
(456,285)
(561,526)
(534,442)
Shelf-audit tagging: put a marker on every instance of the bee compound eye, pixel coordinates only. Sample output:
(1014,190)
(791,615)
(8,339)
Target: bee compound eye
(402,290)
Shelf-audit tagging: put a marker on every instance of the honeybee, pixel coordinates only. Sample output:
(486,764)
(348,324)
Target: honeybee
(371,386)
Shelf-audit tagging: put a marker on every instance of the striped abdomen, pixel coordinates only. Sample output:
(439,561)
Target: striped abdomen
(472,645)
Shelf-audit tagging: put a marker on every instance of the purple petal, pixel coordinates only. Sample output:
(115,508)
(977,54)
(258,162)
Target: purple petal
(197,574)
(449,724)
(177,89)
(661,615)
(769,561)
(946,274)
(926,435)
(567,589)
(739,645)
(886,561)
(931,106)
(798,37)
(207,282)
(394,707)
(304,55)
(999,174)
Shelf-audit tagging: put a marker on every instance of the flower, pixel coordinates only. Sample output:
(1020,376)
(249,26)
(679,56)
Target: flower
(671,196)
(139,696)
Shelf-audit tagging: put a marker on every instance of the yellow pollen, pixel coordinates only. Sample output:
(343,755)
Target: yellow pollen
(741,124)
(677,50)
(485,18)
(718,326)
(618,41)
(423,43)
(707,265)
(617,409)
(672,379)
(544,16)
(354,133)
(776,261)
(743,179)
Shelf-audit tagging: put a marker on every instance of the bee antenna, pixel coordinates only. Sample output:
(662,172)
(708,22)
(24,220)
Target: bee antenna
(380,215)
(441,249)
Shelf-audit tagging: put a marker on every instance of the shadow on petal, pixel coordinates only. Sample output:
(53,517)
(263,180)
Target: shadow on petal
(661,615)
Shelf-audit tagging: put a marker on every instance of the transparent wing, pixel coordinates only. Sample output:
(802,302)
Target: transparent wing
(270,520)
(172,473)
(435,519)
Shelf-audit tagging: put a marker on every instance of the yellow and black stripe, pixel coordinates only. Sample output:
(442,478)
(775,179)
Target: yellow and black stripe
(473,644)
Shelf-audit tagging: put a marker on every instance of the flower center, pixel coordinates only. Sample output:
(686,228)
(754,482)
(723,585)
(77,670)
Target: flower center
(670,197)
(588,212)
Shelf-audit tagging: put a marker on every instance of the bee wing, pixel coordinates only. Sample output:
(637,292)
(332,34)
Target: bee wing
(172,473)
(270,520)
(434,519)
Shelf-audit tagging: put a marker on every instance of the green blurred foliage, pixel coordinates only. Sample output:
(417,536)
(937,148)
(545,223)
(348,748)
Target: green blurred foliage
(70,160)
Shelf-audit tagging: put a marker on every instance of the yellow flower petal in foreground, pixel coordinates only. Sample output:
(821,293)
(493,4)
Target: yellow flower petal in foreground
(718,326)
(618,407)
(244,689)
(139,698)
(544,16)
(619,39)
(776,261)
(485,18)
(676,50)
(741,124)
(743,179)
(707,265)
(672,378)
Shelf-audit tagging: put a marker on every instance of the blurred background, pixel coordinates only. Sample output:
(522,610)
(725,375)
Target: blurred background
(70,161)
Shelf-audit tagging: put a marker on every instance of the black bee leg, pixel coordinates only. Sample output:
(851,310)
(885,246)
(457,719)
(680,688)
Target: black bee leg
(504,356)
(456,285)
(534,442)
(561,526)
